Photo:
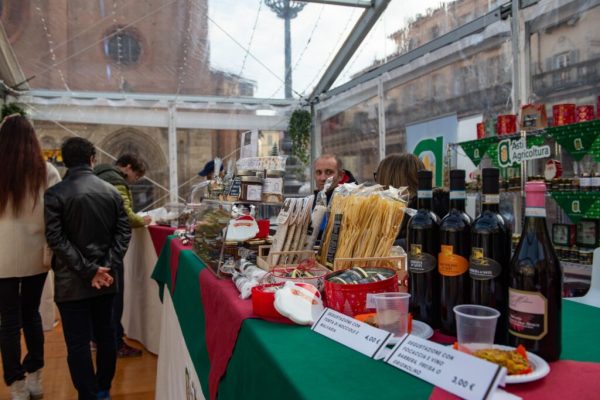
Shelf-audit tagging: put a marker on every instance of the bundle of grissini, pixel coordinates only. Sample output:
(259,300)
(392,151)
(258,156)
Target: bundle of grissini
(362,222)
(292,227)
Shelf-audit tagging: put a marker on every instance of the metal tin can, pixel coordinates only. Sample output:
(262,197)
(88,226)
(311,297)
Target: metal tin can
(563,114)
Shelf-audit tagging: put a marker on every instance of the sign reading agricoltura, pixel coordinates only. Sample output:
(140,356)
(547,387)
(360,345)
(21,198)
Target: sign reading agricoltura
(512,151)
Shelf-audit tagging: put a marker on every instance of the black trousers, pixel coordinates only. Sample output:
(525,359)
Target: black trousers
(19,309)
(80,320)
(118,308)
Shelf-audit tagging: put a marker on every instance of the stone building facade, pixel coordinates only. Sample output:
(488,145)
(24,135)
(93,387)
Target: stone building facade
(141,46)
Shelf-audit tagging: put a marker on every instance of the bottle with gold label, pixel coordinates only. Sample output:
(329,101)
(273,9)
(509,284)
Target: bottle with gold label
(453,259)
(490,254)
(423,247)
(535,284)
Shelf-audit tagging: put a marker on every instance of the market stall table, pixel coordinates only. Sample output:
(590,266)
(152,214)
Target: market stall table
(159,234)
(273,360)
(141,307)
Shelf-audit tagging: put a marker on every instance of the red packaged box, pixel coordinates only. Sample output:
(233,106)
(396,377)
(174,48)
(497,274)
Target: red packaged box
(480,130)
(584,113)
(533,117)
(563,114)
(506,124)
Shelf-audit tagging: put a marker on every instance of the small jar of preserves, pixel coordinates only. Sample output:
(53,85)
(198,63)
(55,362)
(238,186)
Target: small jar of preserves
(272,191)
(250,188)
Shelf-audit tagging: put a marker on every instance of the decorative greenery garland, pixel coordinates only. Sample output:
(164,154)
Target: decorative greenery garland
(299,132)
(12,108)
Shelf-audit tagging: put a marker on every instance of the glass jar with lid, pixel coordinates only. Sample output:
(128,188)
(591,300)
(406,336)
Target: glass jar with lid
(272,191)
(251,188)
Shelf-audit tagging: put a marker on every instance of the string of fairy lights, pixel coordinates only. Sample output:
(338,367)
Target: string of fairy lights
(38,8)
(183,66)
(301,55)
(331,55)
(187,52)
(119,66)
(250,41)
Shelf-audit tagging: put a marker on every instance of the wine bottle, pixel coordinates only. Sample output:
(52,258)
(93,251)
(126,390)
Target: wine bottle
(455,247)
(490,254)
(535,287)
(423,246)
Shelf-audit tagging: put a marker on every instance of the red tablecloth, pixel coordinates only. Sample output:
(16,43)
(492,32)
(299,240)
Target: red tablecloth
(567,380)
(224,313)
(159,235)
(176,247)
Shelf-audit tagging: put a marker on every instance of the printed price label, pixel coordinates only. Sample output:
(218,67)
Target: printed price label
(466,376)
(235,187)
(350,332)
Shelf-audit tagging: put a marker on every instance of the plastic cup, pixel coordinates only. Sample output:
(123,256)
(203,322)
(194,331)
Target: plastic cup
(392,312)
(475,326)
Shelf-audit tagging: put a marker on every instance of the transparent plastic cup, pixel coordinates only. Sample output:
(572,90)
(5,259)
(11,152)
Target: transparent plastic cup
(392,312)
(475,326)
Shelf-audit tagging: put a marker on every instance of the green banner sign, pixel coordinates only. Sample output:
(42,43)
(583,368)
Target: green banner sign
(576,205)
(476,149)
(577,139)
(508,159)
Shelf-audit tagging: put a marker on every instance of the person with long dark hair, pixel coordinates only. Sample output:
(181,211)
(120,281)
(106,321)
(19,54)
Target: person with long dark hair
(24,176)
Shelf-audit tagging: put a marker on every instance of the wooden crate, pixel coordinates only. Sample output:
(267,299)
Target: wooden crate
(264,259)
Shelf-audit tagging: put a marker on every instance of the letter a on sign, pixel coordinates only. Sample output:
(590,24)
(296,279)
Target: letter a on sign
(575,207)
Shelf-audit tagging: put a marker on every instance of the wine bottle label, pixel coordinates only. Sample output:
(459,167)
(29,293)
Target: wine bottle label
(450,264)
(424,194)
(458,195)
(527,314)
(535,212)
(483,268)
(420,262)
(490,199)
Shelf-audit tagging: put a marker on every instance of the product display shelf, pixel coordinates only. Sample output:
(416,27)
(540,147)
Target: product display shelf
(213,219)
(577,139)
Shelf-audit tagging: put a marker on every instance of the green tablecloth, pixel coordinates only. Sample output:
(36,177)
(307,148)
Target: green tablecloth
(275,361)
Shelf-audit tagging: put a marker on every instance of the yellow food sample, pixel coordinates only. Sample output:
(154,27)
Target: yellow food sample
(514,362)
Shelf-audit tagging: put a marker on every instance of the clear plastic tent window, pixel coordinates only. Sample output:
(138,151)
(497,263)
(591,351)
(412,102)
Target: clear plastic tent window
(179,81)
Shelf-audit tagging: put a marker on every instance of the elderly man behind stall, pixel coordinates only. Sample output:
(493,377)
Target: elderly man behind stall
(330,166)
(88,231)
(127,170)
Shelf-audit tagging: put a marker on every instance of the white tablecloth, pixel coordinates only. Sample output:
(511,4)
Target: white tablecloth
(142,307)
(176,376)
(47,307)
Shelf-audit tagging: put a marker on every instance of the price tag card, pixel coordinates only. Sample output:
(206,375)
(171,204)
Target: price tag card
(350,332)
(461,374)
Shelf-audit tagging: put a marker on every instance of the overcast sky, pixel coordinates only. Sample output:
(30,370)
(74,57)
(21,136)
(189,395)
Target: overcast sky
(317,33)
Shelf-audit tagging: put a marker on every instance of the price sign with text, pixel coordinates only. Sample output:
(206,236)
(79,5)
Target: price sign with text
(459,373)
(350,332)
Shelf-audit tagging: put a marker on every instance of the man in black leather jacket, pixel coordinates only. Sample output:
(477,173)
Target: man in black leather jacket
(88,230)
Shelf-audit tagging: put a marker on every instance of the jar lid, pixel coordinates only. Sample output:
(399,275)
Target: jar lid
(251,179)
(273,173)
(245,172)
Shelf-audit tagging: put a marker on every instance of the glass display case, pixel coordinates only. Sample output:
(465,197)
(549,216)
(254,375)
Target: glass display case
(224,230)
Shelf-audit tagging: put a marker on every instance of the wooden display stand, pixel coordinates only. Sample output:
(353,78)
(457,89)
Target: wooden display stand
(264,259)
